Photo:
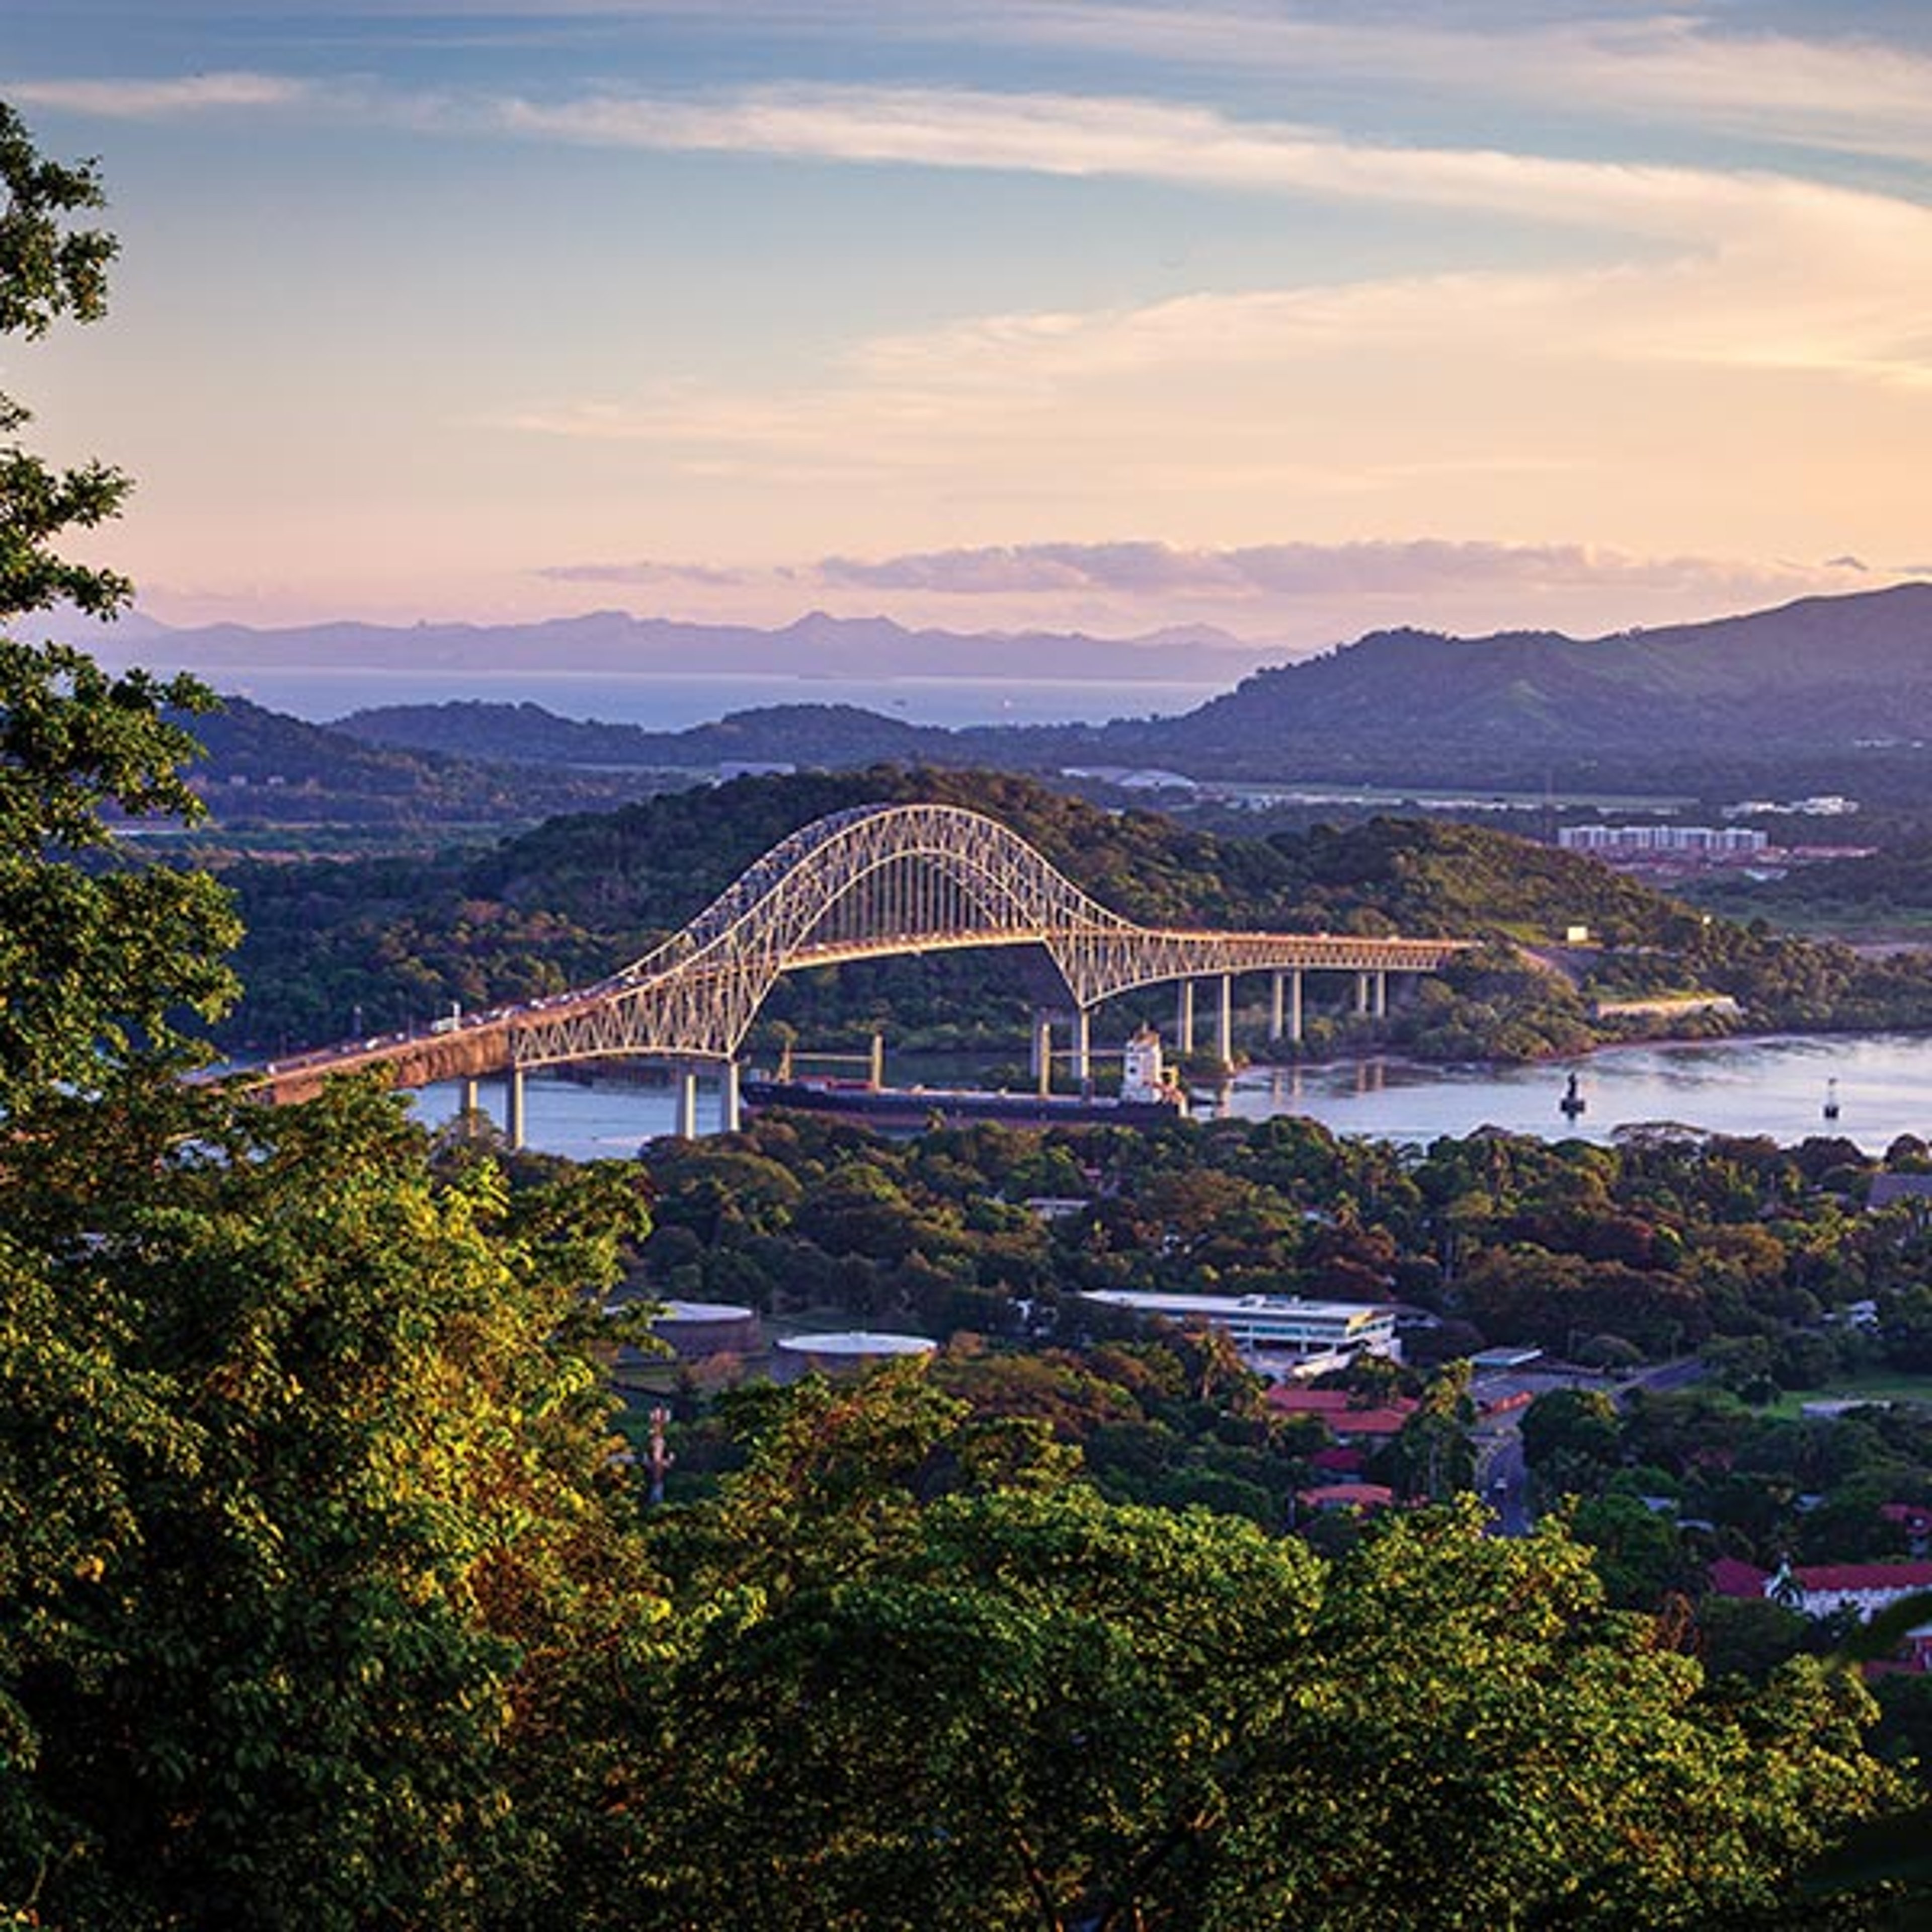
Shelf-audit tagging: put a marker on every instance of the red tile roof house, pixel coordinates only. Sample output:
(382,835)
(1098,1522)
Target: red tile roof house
(1823,1589)
(1346,1495)
(1345,1422)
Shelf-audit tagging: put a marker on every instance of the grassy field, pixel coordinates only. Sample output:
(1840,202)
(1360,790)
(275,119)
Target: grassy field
(1874,1385)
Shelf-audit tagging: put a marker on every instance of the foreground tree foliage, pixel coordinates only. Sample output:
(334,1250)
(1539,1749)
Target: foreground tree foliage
(97,961)
(903,1699)
(312,1544)
(319,1538)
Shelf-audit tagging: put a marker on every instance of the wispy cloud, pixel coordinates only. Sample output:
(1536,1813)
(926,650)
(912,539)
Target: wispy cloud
(1141,138)
(1705,67)
(1851,91)
(1258,574)
(645,574)
(1101,136)
(1174,410)
(162,99)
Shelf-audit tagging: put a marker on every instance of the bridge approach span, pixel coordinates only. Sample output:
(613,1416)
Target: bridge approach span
(865,883)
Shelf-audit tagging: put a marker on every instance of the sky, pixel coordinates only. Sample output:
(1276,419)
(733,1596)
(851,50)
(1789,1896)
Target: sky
(1297,320)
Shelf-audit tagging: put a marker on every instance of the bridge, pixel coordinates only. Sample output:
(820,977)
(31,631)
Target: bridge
(874,881)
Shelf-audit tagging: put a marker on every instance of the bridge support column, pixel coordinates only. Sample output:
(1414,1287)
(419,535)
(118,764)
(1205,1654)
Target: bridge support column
(1224,1021)
(1285,1015)
(1043,1052)
(1083,1049)
(1381,995)
(1183,1018)
(686,1078)
(730,1117)
(513,1106)
(1361,993)
(470,1104)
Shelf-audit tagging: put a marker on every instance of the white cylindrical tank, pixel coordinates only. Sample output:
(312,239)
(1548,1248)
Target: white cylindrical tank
(695,1329)
(847,1354)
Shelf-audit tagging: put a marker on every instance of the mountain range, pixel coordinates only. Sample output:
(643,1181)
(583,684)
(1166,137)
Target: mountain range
(1808,681)
(816,645)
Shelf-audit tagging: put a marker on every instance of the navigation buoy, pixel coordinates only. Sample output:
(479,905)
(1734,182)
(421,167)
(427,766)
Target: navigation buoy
(1573,1103)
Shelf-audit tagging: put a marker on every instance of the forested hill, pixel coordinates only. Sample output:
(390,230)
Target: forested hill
(261,767)
(1824,671)
(571,900)
(814,734)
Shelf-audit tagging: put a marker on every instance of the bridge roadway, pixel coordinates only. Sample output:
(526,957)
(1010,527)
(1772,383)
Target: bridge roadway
(872,883)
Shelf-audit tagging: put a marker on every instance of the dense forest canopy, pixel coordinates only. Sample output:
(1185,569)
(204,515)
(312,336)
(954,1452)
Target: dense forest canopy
(568,902)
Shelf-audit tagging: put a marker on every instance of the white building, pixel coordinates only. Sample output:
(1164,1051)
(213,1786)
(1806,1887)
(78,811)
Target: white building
(1278,1324)
(1626,839)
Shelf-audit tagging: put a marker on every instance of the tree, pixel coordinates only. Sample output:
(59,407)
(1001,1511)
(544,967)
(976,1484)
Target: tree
(301,1603)
(312,1532)
(96,961)
(48,270)
(1431,1457)
(1569,1439)
(1637,1552)
(910,1695)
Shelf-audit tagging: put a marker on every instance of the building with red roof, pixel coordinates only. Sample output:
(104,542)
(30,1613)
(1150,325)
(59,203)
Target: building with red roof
(1341,1410)
(1346,1495)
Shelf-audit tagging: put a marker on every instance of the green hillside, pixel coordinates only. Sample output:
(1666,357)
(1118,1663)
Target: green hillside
(334,947)
(262,769)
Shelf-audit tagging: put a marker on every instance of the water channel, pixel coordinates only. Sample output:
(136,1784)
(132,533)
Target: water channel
(1779,1086)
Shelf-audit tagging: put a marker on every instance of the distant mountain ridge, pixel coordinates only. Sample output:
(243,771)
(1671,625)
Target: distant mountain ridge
(815,645)
(1816,677)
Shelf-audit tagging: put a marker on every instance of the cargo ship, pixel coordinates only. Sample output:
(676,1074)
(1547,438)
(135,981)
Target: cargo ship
(1149,1097)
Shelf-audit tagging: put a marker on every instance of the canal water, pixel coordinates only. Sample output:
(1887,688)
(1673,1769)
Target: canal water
(1779,1086)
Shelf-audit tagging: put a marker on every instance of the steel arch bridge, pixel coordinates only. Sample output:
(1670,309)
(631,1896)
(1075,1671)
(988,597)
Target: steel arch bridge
(869,883)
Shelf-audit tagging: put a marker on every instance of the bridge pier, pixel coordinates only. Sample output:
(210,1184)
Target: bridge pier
(729,1114)
(1083,1049)
(513,1106)
(1289,981)
(1040,1058)
(686,1079)
(1224,1021)
(471,1104)
(1183,1018)
(1381,979)
(1361,994)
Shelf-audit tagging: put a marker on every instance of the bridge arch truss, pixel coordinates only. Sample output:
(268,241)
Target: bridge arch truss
(879,880)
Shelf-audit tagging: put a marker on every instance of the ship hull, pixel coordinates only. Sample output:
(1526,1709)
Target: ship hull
(917,1107)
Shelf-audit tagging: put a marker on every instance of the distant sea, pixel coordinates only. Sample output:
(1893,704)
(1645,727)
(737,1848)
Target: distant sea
(671,702)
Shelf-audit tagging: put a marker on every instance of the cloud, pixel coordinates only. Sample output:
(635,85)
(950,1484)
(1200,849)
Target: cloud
(1848,90)
(712,577)
(1155,572)
(1745,269)
(1129,137)
(1851,91)
(155,100)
